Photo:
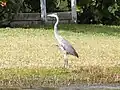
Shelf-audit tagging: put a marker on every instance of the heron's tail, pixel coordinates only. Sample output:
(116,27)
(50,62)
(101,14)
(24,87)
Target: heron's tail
(76,54)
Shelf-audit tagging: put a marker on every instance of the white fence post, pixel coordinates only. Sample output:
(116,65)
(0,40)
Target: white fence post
(73,10)
(43,10)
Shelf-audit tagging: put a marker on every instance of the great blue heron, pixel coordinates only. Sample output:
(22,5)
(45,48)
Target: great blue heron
(64,45)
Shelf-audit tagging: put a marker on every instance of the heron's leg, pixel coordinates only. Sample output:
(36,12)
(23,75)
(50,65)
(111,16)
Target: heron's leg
(65,60)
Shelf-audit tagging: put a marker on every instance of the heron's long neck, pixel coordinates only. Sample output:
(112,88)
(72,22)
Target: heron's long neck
(55,28)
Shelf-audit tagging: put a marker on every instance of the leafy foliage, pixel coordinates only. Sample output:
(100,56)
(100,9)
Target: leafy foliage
(8,12)
(34,5)
(89,11)
(99,11)
(31,6)
(51,5)
(9,8)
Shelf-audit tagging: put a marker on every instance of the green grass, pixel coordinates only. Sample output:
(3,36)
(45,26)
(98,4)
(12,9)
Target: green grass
(29,57)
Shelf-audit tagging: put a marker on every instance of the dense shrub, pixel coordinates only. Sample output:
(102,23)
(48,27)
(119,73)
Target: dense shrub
(13,7)
(89,11)
(99,11)
(34,5)
(8,12)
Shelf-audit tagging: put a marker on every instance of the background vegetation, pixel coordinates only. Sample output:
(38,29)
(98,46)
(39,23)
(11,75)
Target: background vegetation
(89,11)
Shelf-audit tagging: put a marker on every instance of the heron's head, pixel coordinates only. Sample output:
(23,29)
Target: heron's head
(52,15)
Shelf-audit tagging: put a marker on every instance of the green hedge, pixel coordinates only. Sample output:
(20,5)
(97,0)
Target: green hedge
(89,11)
(13,7)
(99,11)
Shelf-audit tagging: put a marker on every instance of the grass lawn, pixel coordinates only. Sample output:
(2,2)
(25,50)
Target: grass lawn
(30,57)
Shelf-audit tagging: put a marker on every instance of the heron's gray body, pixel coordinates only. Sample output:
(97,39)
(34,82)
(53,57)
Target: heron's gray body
(67,47)
(64,45)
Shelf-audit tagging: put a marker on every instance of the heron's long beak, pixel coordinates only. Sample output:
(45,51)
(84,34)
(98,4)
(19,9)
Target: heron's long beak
(49,15)
(52,15)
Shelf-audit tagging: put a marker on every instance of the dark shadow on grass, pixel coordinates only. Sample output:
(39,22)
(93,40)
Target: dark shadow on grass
(85,28)
(91,29)
(81,28)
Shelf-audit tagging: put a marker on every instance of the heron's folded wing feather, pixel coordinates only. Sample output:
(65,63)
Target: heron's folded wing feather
(68,47)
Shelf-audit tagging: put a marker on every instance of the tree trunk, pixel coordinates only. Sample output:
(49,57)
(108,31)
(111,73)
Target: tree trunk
(74,13)
(43,10)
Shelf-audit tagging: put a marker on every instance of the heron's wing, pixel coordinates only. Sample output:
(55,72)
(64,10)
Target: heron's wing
(68,47)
